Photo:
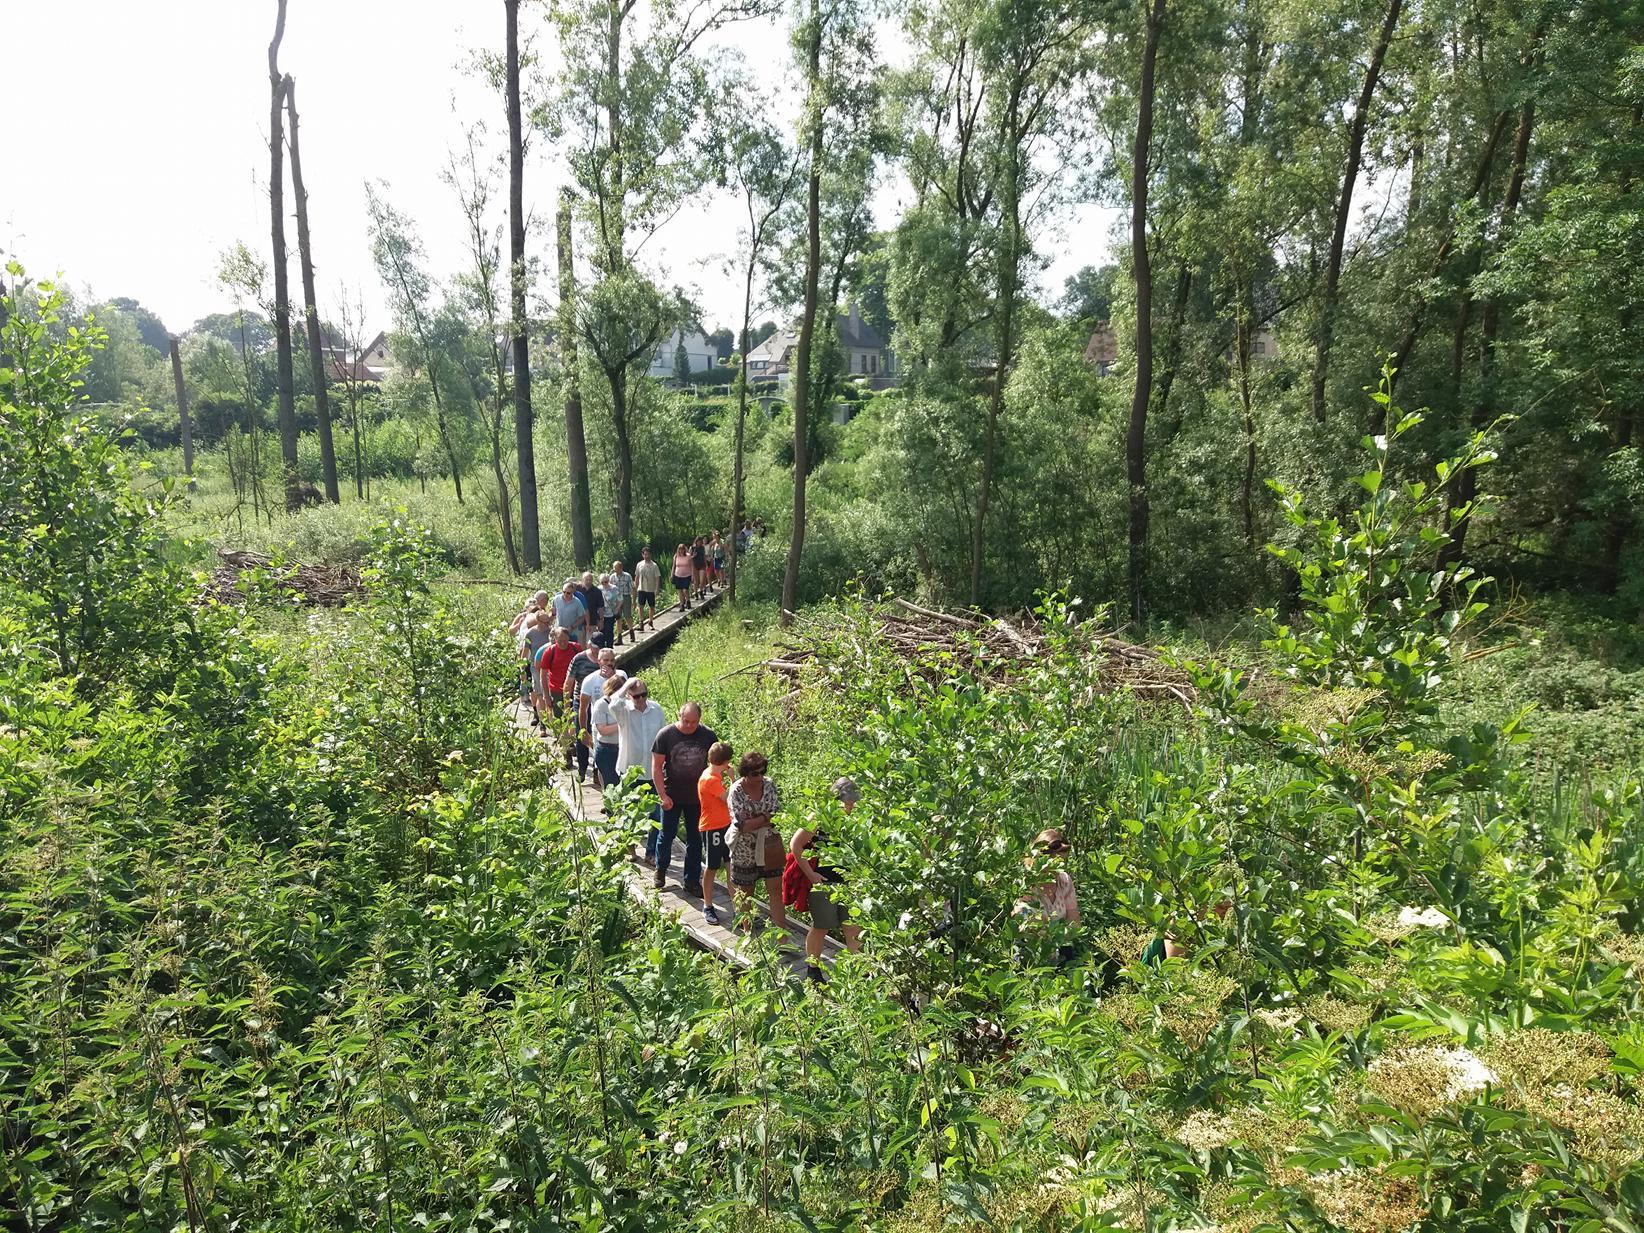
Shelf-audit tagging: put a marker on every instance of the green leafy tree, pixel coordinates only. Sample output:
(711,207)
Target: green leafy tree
(82,551)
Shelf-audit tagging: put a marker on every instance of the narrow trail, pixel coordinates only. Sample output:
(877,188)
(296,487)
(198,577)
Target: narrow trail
(588,807)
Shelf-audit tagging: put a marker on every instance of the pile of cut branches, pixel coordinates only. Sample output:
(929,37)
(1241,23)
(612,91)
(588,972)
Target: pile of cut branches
(992,647)
(324,585)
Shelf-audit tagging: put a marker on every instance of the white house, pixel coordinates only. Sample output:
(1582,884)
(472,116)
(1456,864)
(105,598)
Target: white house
(862,351)
(701,353)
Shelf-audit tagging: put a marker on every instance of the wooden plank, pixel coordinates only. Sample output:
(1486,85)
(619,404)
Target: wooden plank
(585,804)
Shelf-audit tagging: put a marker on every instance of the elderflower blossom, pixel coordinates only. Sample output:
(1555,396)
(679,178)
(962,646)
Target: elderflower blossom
(1204,1131)
(1422,918)
(1281,1022)
(1422,1079)
(1366,1200)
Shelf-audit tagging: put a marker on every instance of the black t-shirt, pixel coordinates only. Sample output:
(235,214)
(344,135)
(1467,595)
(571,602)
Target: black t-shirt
(593,599)
(684,758)
(699,555)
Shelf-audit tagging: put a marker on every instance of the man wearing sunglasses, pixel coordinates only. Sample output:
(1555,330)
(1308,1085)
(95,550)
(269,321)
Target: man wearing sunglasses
(638,722)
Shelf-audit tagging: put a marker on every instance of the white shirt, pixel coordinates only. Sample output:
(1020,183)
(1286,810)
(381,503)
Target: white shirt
(593,686)
(636,733)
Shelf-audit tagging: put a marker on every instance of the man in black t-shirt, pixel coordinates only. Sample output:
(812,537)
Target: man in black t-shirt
(678,759)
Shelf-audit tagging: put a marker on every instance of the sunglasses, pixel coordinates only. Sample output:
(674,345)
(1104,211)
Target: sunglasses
(640,693)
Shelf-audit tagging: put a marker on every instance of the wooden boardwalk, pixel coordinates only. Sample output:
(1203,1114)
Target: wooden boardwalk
(586,805)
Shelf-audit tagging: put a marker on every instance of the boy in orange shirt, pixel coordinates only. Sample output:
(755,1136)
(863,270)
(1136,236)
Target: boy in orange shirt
(711,787)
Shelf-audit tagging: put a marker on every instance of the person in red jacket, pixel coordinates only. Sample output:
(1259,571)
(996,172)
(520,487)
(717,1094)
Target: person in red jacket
(553,662)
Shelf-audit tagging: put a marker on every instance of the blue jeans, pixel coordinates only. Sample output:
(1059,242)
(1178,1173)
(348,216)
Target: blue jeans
(605,758)
(691,811)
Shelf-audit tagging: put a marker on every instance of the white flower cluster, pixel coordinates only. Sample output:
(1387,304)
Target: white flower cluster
(1422,918)
(1459,1072)
(1204,1131)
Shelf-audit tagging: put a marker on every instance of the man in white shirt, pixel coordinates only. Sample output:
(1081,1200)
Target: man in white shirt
(647,582)
(623,581)
(638,721)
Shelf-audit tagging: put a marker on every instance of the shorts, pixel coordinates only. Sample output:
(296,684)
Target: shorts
(825,913)
(715,851)
(682,582)
(536,679)
(625,608)
(756,856)
(645,599)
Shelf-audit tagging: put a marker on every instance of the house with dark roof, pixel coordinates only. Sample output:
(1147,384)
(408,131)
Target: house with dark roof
(862,351)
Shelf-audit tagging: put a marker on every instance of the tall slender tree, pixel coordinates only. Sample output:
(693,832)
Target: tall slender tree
(518,323)
(1142,272)
(311,311)
(576,443)
(800,376)
(1344,204)
(285,384)
(187,425)
(766,173)
(396,251)
(481,308)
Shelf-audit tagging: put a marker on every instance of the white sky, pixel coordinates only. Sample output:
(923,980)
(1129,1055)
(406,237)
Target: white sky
(146,154)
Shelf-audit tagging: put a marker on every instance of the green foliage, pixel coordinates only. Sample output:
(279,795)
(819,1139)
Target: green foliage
(79,546)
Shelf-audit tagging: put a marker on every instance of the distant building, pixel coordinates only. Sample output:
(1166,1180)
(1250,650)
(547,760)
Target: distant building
(373,363)
(1102,351)
(701,353)
(862,351)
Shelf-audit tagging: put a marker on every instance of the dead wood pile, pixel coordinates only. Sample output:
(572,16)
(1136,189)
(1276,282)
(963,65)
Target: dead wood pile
(324,585)
(992,647)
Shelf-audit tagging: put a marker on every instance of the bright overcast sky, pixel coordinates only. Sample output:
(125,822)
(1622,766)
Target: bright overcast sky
(145,155)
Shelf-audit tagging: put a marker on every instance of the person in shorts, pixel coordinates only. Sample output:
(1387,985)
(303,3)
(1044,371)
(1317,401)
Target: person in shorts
(593,599)
(699,567)
(682,576)
(647,586)
(756,852)
(807,864)
(623,583)
(716,559)
(715,825)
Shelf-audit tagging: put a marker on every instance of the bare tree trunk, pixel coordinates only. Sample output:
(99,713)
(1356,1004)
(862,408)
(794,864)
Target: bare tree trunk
(182,408)
(1142,269)
(311,311)
(1465,490)
(1177,327)
(801,375)
(524,420)
(738,462)
(1009,260)
(1441,255)
(576,444)
(282,296)
(1344,205)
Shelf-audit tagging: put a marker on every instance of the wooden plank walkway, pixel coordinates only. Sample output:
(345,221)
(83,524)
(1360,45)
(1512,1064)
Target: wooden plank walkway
(586,805)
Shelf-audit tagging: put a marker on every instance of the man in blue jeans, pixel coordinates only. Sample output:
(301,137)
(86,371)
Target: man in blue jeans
(678,759)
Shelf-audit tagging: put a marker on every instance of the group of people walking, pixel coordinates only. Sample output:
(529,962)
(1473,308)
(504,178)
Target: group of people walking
(682,772)
(680,769)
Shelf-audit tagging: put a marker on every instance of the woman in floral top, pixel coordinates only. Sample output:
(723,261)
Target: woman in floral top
(757,852)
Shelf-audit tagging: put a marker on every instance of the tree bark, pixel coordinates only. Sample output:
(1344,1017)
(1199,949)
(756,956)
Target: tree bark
(282,296)
(576,443)
(1173,348)
(1344,205)
(311,311)
(524,425)
(801,376)
(1005,342)
(182,408)
(1481,175)
(1142,270)
(1465,490)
